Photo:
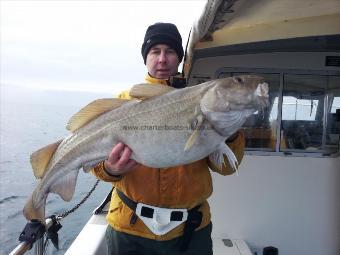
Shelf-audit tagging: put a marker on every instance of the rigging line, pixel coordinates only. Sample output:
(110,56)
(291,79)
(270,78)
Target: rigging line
(63,215)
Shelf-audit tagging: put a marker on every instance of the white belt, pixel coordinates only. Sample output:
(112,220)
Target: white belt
(160,220)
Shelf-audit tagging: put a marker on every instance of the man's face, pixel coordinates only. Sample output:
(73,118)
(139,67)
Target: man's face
(162,61)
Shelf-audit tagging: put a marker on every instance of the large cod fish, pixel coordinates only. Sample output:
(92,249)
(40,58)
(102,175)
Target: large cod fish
(163,126)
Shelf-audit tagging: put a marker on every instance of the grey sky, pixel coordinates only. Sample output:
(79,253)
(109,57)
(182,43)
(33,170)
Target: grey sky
(82,45)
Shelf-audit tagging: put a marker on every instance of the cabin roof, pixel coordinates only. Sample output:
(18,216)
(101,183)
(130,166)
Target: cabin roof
(263,20)
(233,22)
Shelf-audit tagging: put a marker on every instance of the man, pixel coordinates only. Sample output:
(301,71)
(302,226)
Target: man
(171,191)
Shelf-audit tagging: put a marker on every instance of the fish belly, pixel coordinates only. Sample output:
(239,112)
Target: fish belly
(162,145)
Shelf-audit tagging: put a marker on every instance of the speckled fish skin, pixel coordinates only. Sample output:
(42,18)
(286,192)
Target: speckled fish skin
(156,129)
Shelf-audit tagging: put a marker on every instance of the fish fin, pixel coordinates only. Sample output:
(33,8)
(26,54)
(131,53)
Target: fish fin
(31,212)
(191,141)
(217,157)
(145,90)
(92,111)
(194,136)
(91,164)
(41,158)
(65,185)
(87,168)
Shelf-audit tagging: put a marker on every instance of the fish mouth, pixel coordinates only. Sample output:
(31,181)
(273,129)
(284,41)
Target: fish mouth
(262,93)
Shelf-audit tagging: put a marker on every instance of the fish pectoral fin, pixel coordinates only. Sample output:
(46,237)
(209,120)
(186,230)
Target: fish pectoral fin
(41,158)
(92,111)
(145,90)
(191,141)
(65,185)
(88,166)
(217,157)
(194,136)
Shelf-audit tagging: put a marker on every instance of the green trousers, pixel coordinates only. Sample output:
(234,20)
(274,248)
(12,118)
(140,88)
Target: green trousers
(124,244)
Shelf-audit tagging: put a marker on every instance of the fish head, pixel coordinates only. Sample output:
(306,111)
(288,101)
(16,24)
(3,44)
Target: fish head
(237,93)
(230,101)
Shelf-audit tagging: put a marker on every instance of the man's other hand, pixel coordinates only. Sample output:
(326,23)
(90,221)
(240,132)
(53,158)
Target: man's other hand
(119,161)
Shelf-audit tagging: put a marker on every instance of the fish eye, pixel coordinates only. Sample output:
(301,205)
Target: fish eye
(238,79)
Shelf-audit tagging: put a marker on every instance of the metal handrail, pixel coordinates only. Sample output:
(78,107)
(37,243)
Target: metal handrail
(24,246)
(21,248)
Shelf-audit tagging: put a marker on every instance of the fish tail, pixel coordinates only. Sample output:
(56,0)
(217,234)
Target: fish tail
(31,211)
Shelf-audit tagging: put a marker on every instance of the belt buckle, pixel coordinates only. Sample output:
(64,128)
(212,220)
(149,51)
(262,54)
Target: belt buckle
(160,220)
(175,215)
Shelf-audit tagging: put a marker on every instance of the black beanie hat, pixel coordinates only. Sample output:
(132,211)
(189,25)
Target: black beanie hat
(162,33)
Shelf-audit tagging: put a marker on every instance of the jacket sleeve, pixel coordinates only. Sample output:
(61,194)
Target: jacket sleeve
(237,146)
(124,95)
(100,173)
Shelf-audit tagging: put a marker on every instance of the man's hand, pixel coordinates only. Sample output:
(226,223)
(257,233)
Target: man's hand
(119,161)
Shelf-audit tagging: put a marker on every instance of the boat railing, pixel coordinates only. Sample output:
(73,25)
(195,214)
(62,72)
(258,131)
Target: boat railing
(37,234)
(34,235)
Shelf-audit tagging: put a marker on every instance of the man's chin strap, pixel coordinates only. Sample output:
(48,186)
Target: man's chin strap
(177,82)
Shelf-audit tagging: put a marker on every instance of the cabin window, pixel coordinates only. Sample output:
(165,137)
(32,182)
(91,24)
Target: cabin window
(302,111)
(308,123)
(333,115)
(303,116)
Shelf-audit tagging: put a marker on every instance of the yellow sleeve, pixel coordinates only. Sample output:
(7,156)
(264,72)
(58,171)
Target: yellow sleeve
(101,174)
(125,95)
(237,146)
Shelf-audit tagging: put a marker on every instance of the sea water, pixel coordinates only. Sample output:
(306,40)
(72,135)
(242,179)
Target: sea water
(31,119)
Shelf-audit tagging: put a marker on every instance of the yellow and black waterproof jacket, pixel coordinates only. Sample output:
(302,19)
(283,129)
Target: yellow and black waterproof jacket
(184,186)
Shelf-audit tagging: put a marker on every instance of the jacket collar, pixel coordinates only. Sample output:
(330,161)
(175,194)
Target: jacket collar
(152,80)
